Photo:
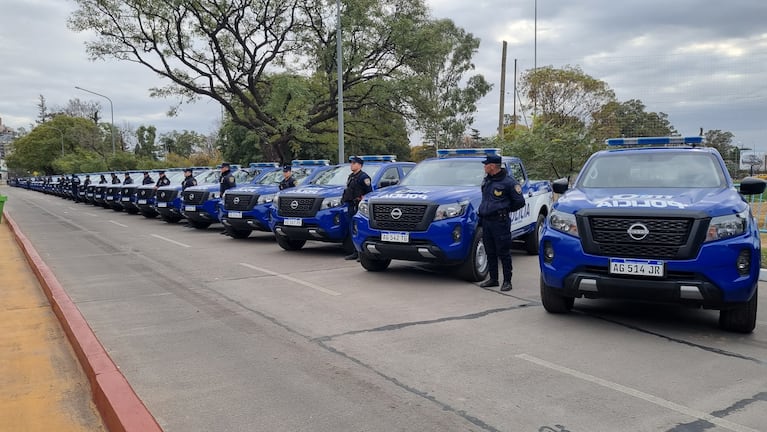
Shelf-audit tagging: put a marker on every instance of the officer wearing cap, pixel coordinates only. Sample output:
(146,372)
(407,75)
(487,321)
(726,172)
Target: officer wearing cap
(75,188)
(227,180)
(162,180)
(358,184)
(147,179)
(288,181)
(501,194)
(128,179)
(115,179)
(189,180)
(102,179)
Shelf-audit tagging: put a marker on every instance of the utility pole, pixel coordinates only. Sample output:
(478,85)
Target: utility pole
(340,84)
(503,91)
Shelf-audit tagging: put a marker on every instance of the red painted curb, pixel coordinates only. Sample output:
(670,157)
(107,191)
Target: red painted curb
(119,406)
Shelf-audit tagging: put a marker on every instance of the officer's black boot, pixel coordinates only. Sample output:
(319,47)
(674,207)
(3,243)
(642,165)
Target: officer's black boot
(506,286)
(352,256)
(489,283)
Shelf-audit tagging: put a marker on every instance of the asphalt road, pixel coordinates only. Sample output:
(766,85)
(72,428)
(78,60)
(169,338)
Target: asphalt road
(217,334)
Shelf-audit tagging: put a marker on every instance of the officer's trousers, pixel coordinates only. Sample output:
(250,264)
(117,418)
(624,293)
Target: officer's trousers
(496,236)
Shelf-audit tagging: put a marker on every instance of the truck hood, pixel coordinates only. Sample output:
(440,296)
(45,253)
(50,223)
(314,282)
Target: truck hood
(317,190)
(255,189)
(436,194)
(712,201)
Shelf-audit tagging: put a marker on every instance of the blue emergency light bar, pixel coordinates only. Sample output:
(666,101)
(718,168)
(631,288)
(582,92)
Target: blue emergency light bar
(464,152)
(654,141)
(376,158)
(263,165)
(310,162)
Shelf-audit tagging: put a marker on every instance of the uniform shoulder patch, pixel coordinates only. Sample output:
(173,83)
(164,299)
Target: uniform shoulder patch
(367,181)
(231,179)
(518,189)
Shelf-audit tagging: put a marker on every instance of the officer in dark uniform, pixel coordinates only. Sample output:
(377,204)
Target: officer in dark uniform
(501,194)
(162,180)
(115,179)
(87,181)
(75,188)
(102,180)
(189,180)
(358,184)
(128,179)
(288,181)
(147,179)
(227,180)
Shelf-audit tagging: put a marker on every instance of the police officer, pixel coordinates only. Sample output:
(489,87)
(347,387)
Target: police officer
(501,194)
(189,180)
(87,181)
(226,181)
(115,179)
(288,181)
(102,180)
(75,188)
(128,179)
(147,179)
(358,184)
(162,180)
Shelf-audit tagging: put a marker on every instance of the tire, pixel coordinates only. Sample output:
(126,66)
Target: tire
(553,301)
(171,219)
(238,234)
(288,244)
(149,215)
(131,211)
(741,319)
(474,269)
(373,264)
(532,240)
(199,225)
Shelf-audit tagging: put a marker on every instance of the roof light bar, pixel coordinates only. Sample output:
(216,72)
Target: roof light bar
(468,152)
(650,141)
(263,165)
(310,162)
(377,158)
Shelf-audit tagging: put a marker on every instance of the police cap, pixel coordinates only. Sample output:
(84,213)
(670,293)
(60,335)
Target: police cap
(356,159)
(146,172)
(225,164)
(287,168)
(492,159)
(188,170)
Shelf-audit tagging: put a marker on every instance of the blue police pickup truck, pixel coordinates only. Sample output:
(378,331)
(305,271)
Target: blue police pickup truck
(658,220)
(167,199)
(316,212)
(431,216)
(246,208)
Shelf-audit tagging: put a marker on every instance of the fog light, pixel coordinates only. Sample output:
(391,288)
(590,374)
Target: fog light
(548,252)
(743,263)
(457,233)
(336,219)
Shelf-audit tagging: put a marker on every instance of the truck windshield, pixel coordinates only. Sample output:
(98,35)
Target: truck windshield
(683,169)
(446,172)
(337,176)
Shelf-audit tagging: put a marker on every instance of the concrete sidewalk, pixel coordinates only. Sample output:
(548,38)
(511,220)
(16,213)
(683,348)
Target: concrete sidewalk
(43,337)
(42,387)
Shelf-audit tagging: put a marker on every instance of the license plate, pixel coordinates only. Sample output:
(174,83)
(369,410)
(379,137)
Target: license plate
(98,196)
(110,198)
(294,222)
(125,198)
(235,215)
(89,195)
(396,237)
(162,204)
(142,201)
(633,267)
(190,208)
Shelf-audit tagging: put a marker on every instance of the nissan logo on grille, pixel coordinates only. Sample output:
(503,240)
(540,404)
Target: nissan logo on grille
(236,200)
(638,231)
(162,194)
(294,204)
(191,196)
(396,213)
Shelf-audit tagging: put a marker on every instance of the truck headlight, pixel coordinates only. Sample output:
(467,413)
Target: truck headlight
(276,201)
(214,195)
(563,222)
(263,199)
(722,227)
(331,202)
(364,209)
(447,211)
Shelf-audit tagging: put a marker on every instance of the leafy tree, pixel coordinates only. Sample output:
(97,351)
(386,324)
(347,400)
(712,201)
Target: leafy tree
(37,150)
(551,152)
(146,137)
(182,143)
(80,108)
(629,119)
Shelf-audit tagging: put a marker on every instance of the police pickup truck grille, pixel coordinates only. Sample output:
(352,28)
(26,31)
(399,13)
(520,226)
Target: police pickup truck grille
(166,195)
(128,191)
(639,237)
(113,190)
(195,197)
(398,217)
(145,193)
(239,202)
(297,207)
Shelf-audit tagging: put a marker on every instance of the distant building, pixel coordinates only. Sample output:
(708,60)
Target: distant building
(7,135)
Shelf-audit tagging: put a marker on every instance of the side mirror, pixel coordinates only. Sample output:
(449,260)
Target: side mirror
(560,186)
(384,183)
(752,186)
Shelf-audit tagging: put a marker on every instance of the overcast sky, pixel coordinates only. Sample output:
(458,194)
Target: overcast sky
(704,63)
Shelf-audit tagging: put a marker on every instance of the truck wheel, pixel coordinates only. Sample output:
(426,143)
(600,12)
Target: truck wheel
(199,225)
(474,269)
(553,301)
(149,215)
(533,239)
(171,219)
(372,264)
(741,319)
(288,244)
(238,234)
(131,211)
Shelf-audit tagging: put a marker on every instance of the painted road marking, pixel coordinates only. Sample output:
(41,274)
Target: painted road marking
(118,224)
(91,214)
(639,394)
(170,241)
(292,279)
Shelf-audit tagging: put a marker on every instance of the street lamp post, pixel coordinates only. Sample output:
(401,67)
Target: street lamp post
(111,109)
(340,84)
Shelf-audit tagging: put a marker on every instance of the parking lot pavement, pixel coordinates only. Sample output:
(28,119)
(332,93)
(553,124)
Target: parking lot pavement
(42,387)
